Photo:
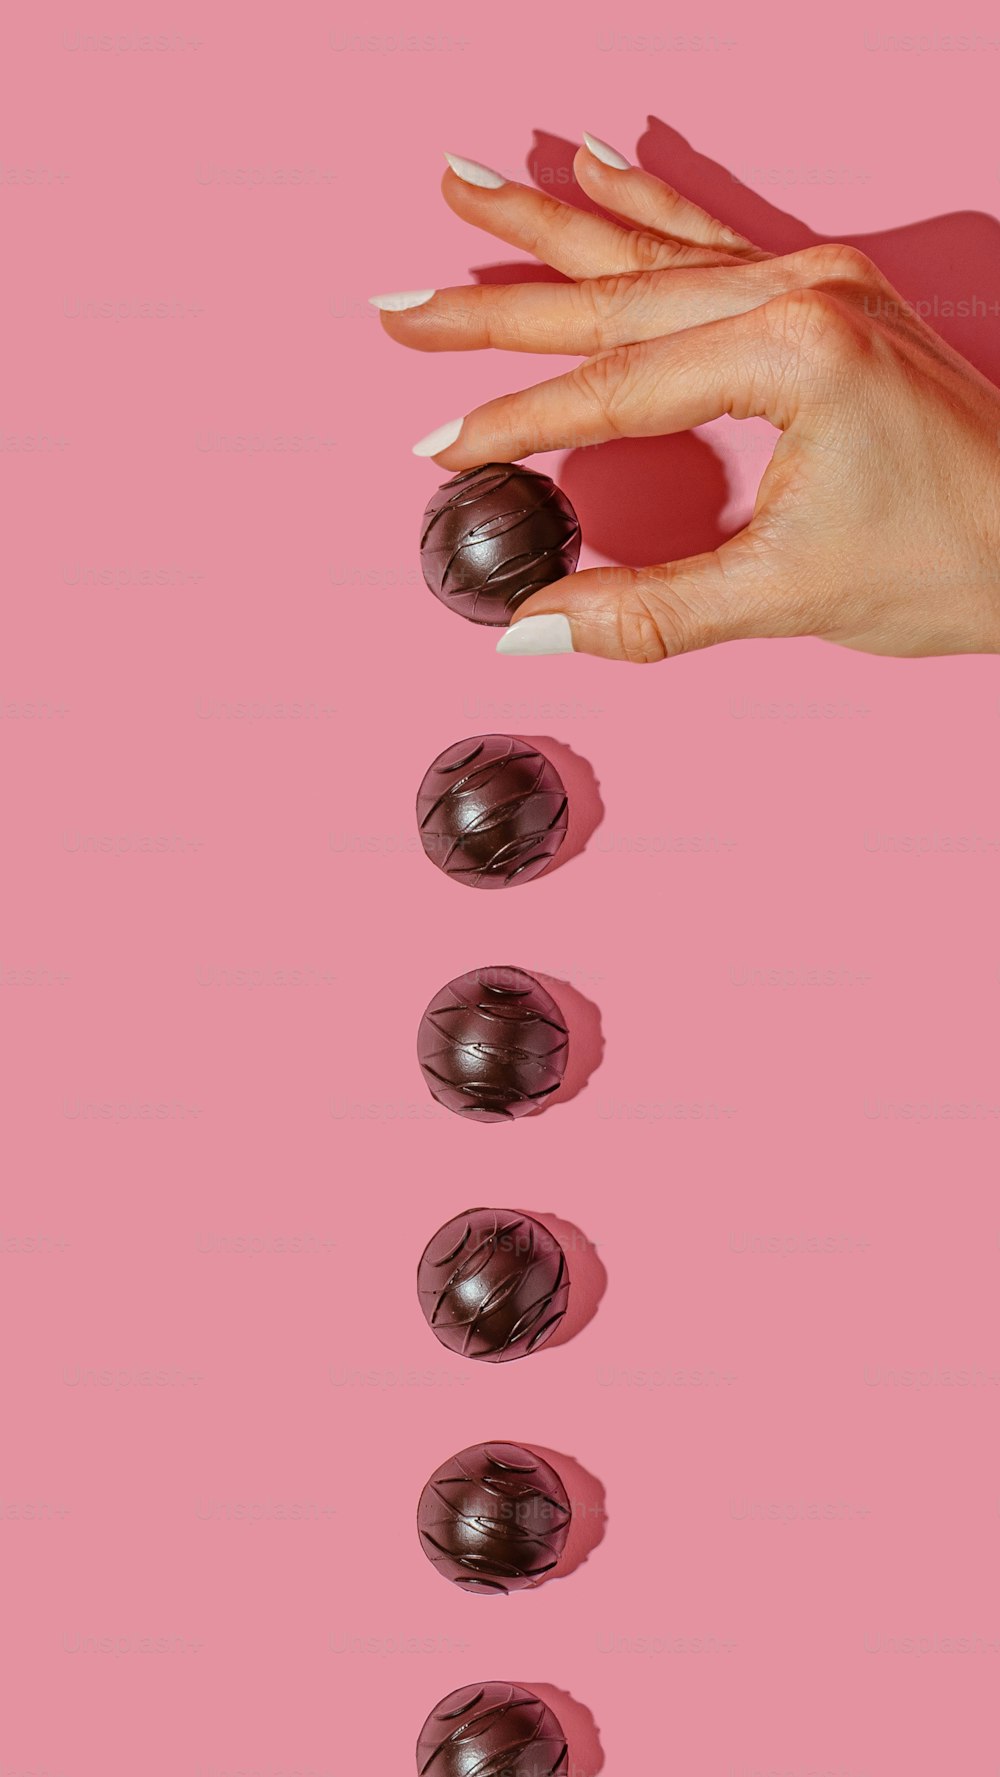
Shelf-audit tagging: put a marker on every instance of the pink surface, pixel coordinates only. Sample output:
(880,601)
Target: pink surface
(219,1399)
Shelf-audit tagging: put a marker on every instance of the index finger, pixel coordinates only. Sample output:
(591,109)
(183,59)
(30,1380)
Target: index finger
(745,365)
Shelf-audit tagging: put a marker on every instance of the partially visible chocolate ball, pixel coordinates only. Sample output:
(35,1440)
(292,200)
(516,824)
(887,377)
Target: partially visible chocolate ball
(492,536)
(492,1730)
(492,811)
(493,1284)
(494,1518)
(492,1045)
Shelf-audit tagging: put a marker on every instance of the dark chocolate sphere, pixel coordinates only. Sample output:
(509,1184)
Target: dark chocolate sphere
(492,536)
(494,1518)
(492,1730)
(493,1284)
(492,811)
(492,1045)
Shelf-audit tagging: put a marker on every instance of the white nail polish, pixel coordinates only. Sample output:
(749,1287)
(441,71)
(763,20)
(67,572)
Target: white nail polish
(550,634)
(603,152)
(397,300)
(439,439)
(475,174)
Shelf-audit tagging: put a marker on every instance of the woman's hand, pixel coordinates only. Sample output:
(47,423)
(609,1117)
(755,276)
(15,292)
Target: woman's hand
(877,522)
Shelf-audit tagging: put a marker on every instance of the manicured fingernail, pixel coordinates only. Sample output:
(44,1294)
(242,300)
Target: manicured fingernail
(550,634)
(396,300)
(475,174)
(603,152)
(439,439)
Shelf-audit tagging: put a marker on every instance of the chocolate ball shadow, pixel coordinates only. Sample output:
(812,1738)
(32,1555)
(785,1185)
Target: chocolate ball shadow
(586,1754)
(588,1279)
(586,1041)
(583,794)
(589,1515)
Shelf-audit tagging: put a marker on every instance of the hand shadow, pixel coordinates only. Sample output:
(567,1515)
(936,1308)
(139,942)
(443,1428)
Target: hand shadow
(588,1279)
(947,266)
(583,793)
(589,1519)
(586,1754)
(646,500)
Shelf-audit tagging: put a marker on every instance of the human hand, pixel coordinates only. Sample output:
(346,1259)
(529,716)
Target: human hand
(877,521)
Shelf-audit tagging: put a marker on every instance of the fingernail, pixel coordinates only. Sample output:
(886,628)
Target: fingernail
(396,300)
(603,152)
(475,174)
(550,634)
(439,439)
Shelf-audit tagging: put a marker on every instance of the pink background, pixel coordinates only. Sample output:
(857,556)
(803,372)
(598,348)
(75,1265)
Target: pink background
(219,1399)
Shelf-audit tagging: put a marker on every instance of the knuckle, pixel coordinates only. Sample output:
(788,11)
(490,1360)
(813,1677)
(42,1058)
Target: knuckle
(613,296)
(640,636)
(834,262)
(645,251)
(545,224)
(605,382)
(811,321)
(558,219)
(657,620)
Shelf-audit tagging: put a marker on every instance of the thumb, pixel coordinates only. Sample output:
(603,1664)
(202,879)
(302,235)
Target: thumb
(645,614)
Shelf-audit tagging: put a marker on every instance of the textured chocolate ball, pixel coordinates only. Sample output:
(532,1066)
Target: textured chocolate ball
(492,536)
(492,1045)
(492,811)
(494,1518)
(493,1284)
(492,1730)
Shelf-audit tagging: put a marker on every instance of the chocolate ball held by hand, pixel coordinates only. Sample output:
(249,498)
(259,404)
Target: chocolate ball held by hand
(492,811)
(492,1045)
(493,1284)
(492,536)
(492,1730)
(494,1518)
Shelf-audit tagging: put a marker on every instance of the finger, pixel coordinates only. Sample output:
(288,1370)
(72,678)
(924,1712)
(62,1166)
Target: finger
(746,366)
(570,240)
(590,316)
(643,615)
(650,203)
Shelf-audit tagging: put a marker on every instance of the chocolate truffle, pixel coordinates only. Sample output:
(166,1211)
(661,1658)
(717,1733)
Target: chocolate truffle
(492,811)
(494,1518)
(492,1045)
(492,536)
(493,1284)
(492,1730)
